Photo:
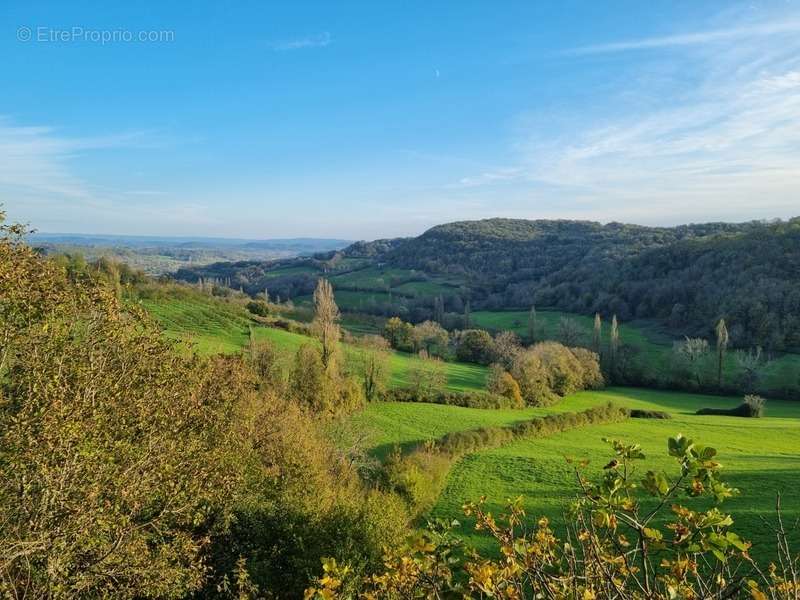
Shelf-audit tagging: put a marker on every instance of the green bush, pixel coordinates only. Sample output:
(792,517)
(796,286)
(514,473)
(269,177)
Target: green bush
(465,398)
(752,407)
(638,413)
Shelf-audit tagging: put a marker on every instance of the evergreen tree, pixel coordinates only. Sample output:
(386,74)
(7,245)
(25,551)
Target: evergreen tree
(467,316)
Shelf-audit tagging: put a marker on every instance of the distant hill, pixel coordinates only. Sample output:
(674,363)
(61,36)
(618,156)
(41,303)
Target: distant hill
(158,255)
(687,277)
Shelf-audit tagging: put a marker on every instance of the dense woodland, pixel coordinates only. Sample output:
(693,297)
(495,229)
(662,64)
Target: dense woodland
(686,277)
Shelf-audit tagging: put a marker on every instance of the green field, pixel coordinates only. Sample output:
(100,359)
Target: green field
(760,456)
(460,376)
(214,327)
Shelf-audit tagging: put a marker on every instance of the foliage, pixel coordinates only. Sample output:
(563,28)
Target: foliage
(399,334)
(115,465)
(475,345)
(463,398)
(431,337)
(500,382)
(258,307)
(638,413)
(548,370)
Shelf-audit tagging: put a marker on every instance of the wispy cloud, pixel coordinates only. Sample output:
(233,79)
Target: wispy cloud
(724,144)
(40,182)
(38,159)
(690,39)
(312,41)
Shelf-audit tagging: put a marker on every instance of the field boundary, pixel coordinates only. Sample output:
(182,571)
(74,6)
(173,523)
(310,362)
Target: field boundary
(419,475)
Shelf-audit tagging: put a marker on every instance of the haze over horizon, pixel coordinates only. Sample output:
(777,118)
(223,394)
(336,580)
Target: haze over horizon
(373,121)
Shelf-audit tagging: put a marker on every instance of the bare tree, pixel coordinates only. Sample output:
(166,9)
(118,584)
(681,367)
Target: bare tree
(694,352)
(751,362)
(569,332)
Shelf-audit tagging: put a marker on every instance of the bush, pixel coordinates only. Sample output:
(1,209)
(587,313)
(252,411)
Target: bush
(468,399)
(752,407)
(476,346)
(637,413)
(117,453)
(258,307)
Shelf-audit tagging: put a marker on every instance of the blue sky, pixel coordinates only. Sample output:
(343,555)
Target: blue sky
(377,119)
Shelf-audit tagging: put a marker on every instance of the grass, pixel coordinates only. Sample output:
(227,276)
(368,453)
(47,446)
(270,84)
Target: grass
(383,279)
(215,326)
(212,326)
(406,424)
(761,458)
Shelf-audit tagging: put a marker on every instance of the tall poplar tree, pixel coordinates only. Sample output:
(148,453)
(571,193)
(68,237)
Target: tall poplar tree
(614,340)
(326,322)
(722,346)
(532,325)
(598,327)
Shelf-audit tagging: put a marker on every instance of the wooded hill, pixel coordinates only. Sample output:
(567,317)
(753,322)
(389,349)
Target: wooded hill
(688,277)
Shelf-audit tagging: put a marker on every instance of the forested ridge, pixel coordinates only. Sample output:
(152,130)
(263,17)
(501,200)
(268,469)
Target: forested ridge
(686,277)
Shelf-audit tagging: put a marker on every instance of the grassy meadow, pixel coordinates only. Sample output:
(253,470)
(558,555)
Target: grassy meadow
(218,327)
(761,457)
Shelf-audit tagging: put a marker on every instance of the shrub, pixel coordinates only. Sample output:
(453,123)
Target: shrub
(638,413)
(258,307)
(591,374)
(116,452)
(753,407)
(465,398)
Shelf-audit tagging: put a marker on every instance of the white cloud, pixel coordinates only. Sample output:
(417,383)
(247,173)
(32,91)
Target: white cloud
(696,38)
(313,41)
(725,147)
